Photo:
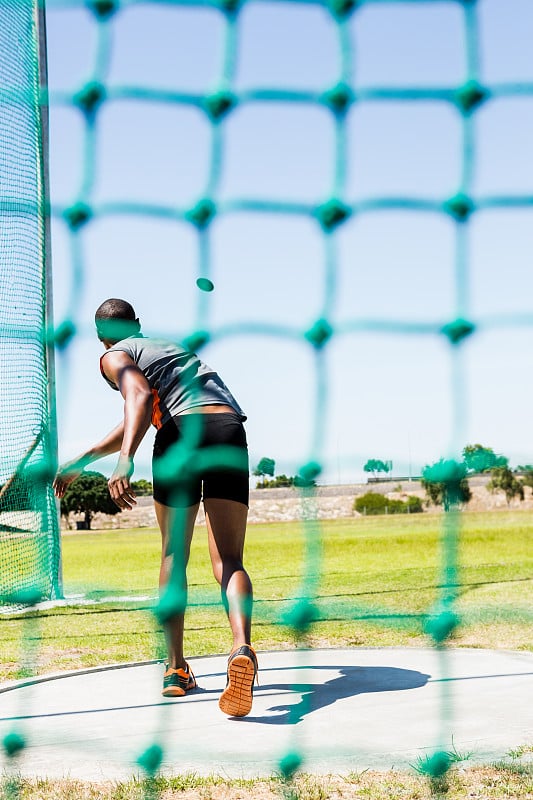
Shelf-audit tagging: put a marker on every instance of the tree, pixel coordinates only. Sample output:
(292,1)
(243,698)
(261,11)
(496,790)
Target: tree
(527,472)
(446,484)
(503,480)
(375,465)
(482,459)
(88,495)
(278,482)
(265,467)
(281,481)
(142,488)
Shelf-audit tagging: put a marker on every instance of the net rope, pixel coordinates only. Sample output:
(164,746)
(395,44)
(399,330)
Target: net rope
(29,530)
(330,216)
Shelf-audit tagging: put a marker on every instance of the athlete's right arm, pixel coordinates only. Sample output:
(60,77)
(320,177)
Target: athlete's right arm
(71,470)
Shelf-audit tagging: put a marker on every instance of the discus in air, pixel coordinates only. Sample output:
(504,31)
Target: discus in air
(205,284)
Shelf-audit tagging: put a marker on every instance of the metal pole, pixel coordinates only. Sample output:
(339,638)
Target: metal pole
(40,22)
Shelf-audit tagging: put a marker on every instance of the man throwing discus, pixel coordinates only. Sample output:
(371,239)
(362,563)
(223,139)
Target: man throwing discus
(200,454)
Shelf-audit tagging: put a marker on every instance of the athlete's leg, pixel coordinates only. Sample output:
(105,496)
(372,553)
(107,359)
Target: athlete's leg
(226,526)
(177,526)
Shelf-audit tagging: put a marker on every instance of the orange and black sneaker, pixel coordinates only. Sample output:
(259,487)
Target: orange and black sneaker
(236,699)
(178,681)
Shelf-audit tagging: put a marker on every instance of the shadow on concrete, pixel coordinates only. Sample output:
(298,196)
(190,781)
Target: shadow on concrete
(350,682)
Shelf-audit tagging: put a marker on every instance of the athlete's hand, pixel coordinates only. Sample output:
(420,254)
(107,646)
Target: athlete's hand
(119,484)
(65,475)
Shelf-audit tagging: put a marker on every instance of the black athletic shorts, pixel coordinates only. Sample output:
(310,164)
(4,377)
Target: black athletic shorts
(214,463)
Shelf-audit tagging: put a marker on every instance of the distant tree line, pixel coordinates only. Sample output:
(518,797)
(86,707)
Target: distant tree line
(142,488)
(267,466)
(446,482)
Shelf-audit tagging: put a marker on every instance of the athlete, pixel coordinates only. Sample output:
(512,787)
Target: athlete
(200,453)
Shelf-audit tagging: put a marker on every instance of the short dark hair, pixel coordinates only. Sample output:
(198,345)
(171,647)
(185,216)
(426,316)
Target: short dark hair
(115,320)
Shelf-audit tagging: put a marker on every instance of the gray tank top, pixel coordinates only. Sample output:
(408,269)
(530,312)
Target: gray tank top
(179,380)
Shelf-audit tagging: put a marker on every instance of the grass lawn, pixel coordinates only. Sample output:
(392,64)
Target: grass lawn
(375,579)
(373,582)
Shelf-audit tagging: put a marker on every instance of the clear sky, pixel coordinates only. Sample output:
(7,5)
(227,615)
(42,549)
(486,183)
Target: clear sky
(387,395)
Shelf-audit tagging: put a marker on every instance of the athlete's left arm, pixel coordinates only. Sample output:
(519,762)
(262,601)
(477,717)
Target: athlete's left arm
(135,390)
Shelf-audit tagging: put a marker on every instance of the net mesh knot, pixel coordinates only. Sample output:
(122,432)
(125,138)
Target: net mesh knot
(469,96)
(459,207)
(202,213)
(341,9)
(319,333)
(445,471)
(77,215)
(441,626)
(150,760)
(290,763)
(458,330)
(230,7)
(103,9)
(63,334)
(339,98)
(309,473)
(301,617)
(90,97)
(173,602)
(332,213)
(437,765)
(13,743)
(196,341)
(219,104)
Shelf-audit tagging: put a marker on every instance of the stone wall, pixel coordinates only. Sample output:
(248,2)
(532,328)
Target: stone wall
(330,502)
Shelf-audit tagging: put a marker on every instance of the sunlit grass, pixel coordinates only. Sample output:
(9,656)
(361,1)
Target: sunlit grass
(507,779)
(373,581)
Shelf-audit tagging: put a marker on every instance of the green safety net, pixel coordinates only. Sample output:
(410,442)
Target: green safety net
(29,529)
(23,206)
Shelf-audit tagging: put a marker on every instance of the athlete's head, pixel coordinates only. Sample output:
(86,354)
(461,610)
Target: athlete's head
(115,320)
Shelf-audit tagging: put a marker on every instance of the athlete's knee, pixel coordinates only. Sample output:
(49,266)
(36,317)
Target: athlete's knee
(231,567)
(232,563)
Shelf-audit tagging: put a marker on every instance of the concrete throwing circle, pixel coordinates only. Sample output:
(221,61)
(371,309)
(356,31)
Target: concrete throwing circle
(342,710)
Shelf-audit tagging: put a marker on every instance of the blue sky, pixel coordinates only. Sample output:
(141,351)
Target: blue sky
(388,395)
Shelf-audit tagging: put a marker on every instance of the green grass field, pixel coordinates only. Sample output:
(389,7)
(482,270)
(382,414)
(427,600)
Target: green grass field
(376,580)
